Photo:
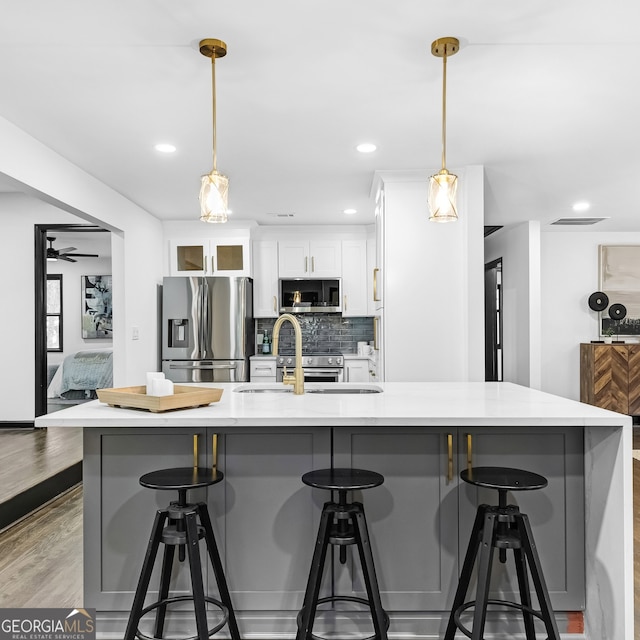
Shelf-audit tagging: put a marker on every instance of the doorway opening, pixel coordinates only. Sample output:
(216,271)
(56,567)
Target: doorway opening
(493,321)
(52,315)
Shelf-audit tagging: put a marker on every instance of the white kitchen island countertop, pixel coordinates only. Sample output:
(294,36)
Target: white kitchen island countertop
(400,403)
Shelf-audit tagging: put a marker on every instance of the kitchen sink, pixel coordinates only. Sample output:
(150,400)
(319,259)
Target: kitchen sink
(334,388)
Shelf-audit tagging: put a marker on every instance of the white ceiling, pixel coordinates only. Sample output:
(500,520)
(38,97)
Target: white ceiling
(544,94)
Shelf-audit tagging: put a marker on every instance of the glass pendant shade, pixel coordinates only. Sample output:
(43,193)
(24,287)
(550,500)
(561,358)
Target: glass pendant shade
(214,197)
(442,197)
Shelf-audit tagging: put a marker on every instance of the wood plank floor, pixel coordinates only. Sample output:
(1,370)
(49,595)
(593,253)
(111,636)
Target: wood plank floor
(41,556)
(29,456)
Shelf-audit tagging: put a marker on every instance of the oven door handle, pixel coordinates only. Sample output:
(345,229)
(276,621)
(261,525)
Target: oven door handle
(203,366)
(321,372)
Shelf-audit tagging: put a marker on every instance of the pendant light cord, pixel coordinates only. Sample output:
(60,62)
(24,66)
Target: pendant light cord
(213,93)
(444,107)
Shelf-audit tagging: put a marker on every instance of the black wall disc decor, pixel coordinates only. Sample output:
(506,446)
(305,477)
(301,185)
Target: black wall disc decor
(617,311)
(598,301)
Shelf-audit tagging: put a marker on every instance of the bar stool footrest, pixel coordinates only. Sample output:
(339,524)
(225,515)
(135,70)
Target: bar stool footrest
(363,601)
(167,601)
(500,603)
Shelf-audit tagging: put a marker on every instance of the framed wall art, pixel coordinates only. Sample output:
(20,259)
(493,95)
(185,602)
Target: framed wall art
(619,268)
(97,316)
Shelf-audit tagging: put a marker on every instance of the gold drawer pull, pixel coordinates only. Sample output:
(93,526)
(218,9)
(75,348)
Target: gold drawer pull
(195,450)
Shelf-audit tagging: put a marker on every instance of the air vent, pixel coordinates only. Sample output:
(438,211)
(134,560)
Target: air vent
(281,215)
(578,222)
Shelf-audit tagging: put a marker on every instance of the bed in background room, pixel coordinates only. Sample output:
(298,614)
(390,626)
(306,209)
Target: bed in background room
(76,379)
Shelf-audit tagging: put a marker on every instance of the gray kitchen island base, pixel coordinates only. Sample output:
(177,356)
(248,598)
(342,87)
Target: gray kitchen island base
(418,438)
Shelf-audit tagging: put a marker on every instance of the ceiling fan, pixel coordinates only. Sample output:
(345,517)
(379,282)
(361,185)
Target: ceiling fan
(64,254)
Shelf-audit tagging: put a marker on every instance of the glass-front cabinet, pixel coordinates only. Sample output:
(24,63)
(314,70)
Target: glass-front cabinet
(209,257)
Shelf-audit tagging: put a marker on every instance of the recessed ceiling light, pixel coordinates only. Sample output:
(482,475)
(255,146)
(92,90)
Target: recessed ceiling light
(366,147)
(164,147)
(350,212)
(581,206)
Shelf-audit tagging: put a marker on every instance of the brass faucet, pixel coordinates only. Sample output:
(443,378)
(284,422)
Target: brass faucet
(297,377)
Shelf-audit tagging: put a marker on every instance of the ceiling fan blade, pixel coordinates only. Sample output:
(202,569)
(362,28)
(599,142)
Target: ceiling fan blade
(83,255)
(65,250)
(66,258)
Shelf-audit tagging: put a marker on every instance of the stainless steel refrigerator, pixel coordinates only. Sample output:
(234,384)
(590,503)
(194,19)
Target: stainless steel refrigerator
(207,329)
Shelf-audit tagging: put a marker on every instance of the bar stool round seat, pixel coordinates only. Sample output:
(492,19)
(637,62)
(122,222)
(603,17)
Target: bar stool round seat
(342,524)
(504,478)
(502,527)
(182,525)
(181,478)
(343,479)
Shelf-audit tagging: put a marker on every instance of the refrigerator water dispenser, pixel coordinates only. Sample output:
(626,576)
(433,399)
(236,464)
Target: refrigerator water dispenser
(179,333)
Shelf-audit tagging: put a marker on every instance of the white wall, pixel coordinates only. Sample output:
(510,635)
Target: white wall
(519,248)
(18,215)
(137,251)
(569,276)
(433,282)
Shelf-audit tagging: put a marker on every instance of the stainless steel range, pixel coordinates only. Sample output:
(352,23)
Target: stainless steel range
(326,367)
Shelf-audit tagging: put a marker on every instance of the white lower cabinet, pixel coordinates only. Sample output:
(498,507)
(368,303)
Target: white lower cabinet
(262,369)
(356,369)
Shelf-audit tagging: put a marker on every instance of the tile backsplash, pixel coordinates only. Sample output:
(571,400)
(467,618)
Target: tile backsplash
(321,333)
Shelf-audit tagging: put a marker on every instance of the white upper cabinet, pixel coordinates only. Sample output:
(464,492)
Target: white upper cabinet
(304,259)
(354,278)
(209,257)
(265,279)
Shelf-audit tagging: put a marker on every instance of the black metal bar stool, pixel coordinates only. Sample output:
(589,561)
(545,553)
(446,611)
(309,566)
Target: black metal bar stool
(502,527)
(342,524)
(187,524)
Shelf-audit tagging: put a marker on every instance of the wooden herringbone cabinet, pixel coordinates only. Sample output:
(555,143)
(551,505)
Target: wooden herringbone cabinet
(610,376)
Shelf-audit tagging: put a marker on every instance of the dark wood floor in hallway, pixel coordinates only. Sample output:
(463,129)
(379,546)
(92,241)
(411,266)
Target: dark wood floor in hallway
(41,556)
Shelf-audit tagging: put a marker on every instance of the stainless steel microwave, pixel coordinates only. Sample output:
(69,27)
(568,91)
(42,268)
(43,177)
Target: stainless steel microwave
(310,296)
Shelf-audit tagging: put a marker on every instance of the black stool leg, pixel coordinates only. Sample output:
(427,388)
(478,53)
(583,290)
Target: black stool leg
(525,593)
(218,571)
(197,586)
(467,570)
(535,567)
(484,575)
(315,575)
(167,565)
(145,575)
(368,569)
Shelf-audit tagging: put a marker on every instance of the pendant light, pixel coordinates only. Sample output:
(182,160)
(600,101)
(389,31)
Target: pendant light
(443,185)
(214,190)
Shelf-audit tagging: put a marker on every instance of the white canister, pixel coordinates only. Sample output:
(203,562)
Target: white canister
(151,376)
